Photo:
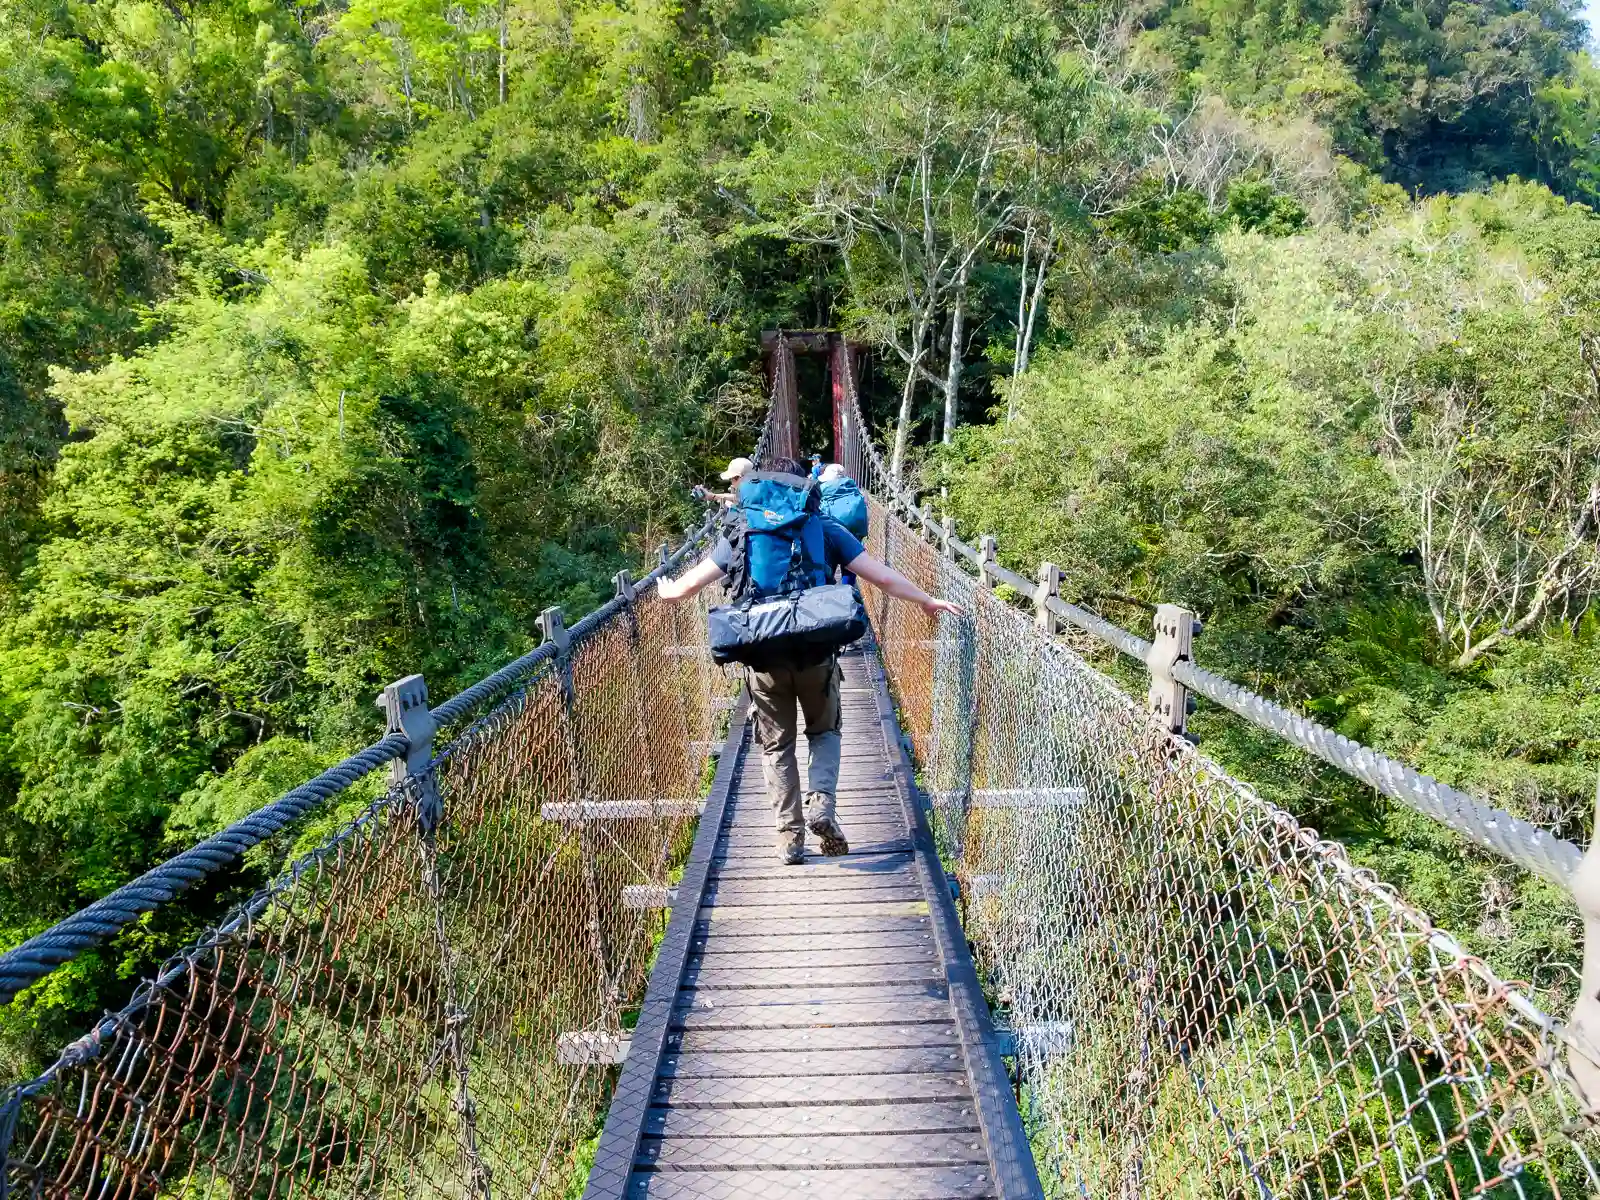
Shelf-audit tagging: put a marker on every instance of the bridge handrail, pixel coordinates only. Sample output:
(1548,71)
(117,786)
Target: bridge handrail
(46,952)
(1521,842)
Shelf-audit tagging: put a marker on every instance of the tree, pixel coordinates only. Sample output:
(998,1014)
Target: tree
(868,141)
(1508,516)
(1567,132)
(1489,401)
(910,140)
(1437,95)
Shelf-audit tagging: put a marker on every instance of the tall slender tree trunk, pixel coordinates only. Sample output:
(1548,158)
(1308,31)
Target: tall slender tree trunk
(403,54)
(1022,304)
(503,51)
(1033,306)
(902,429)
(1033,316)
(952,375)
(1026,327)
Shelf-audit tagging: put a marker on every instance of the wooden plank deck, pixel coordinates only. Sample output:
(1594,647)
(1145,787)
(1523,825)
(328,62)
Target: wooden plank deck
(824,1037)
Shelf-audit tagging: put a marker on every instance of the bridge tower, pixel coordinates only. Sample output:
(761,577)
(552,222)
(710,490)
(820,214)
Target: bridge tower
(778,350)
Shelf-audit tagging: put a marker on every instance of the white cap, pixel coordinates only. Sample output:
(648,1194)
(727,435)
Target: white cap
(831,472)
(738,467)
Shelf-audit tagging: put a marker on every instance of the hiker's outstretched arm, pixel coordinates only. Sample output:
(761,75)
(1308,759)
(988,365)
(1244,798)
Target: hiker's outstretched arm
(702,574)
(897,585)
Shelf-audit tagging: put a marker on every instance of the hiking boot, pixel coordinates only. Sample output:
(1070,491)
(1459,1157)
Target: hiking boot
(819,818)
(792,848)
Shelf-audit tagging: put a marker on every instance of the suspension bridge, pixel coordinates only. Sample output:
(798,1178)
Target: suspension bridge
(547,949)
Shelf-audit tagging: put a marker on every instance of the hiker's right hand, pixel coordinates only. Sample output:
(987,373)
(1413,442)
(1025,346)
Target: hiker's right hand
(933,607)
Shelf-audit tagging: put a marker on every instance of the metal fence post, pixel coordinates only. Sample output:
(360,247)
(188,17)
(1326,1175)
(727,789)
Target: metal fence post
(1049,589)
(703,661)
(553,626)
(405,704)
(1169,700)
(1583,1028)
(629,595)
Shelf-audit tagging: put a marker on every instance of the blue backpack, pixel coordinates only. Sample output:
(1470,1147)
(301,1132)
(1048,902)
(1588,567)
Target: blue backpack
(784,610)
(784,548)
(842,500)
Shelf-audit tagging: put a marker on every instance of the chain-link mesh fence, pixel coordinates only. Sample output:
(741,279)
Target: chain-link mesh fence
(429,1003)
(1206,999)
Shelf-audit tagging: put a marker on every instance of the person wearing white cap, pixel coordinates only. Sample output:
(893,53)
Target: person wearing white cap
(737,470)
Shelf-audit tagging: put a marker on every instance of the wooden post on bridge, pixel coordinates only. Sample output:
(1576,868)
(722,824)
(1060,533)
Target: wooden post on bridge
(1049,589)
(1169,700)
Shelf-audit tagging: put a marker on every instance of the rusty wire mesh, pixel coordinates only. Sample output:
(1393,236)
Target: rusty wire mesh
(414,1010)
(1207,1000)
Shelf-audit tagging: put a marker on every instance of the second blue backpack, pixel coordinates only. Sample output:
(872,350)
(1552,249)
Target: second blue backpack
(842,500)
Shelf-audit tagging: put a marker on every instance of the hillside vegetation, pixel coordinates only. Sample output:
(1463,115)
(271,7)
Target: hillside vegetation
(337,339)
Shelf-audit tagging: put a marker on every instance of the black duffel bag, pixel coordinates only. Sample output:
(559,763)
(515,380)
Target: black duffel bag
(801,628)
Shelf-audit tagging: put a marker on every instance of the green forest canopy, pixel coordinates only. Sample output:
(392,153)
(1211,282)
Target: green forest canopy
(338,339)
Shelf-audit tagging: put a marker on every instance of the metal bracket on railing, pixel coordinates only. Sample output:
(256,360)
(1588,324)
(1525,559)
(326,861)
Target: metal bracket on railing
(947,533)
(1049,589)
(988,555)
(1583,1027)
(1169,700)
(553,625)
(665,553)
(405,704)
(626,592)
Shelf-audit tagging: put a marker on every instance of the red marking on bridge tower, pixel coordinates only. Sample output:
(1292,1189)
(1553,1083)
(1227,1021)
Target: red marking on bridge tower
(778,350)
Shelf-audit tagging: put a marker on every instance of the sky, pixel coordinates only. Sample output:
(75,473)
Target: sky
(1591,9)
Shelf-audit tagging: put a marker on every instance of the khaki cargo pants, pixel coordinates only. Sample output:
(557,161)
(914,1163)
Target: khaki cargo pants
(774,695)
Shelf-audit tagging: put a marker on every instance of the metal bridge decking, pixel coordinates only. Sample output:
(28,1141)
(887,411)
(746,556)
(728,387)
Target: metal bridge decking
(815,1030)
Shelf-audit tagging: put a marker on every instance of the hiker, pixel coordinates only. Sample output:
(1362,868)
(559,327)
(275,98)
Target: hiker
(784,549)
(842,500)
(737,470)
